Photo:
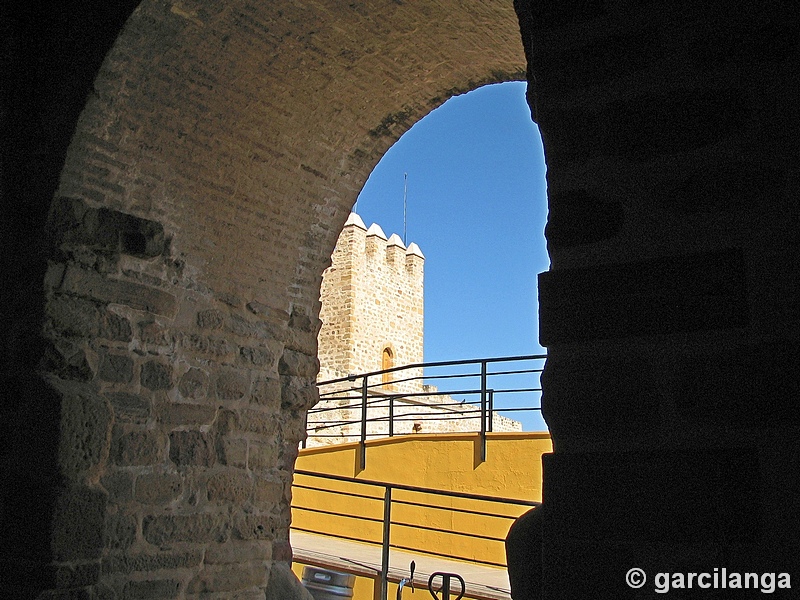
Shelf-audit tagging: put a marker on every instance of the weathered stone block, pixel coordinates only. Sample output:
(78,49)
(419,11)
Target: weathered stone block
(230,578)
(287,455)
(120,531)
(86,420)
(119,485)
(268,493)
(90,284)
(597,62)
(210,319)
(267,392)
(232,452)
(230,299)
(106,230)
(78,524)
(230,487)
(294,426)
(302,341)
(218,349)
(298,364)
(156,375)
(238,552)
(264,423)
(227,422)
(232,385)
(259,356)
(191,448)
(193,384)
(259,330)
(284,585)
(736,187)
(678,294)
(116,368)
(273,314)
(158,488)
(653,496)
(203,527)
(616,395)
(282,551)
(130,563)
(254,527)
(262,456)
(577,218)
(301,321)
(115,328)
(54,275)
(723,389)
(129,408)
(69,361)
(154,334)
(84,593)
(136,447)
(77,575)
(74,316)
(174,414)
(298,393)
(151,589)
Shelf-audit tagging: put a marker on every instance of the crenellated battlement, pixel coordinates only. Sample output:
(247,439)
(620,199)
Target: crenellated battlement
(372,308)
(378,247)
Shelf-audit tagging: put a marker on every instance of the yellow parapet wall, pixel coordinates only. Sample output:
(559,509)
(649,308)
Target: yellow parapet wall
(448,462)
(443,461)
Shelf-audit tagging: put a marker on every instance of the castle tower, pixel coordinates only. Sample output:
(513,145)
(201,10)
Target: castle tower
(372,320)
(372,308)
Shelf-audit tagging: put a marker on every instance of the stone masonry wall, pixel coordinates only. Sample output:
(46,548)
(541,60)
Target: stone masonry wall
(372,298)
(203,158)
(181,413)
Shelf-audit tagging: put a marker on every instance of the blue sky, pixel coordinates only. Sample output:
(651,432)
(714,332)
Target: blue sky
(477,209)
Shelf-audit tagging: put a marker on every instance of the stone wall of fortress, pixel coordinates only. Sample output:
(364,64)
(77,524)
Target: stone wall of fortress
(372,317)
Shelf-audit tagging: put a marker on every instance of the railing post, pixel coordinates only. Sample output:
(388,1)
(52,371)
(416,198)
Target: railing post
(483,411)
(391,416)
(490,421)
(387,523)
(362,444)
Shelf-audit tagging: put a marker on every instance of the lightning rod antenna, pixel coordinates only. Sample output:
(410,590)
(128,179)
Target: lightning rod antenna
(405,203)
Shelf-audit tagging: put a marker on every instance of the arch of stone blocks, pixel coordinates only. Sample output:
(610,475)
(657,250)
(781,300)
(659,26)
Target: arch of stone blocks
(211,169)
(159,336)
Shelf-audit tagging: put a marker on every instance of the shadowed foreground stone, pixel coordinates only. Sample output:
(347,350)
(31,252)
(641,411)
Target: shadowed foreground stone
(283,585)
(524,555)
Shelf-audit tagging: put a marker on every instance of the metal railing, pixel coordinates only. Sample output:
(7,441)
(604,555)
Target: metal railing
(384,497)
(477,391)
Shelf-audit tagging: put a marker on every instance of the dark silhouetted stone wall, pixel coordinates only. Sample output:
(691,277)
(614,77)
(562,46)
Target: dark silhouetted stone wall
(671,134)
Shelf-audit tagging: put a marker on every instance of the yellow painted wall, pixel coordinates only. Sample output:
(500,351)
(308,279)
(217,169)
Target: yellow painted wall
(444,461)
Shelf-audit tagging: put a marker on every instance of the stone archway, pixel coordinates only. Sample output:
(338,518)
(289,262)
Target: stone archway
(208,176)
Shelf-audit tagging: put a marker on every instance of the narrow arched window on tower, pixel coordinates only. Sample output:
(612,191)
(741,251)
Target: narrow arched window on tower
(387,362)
